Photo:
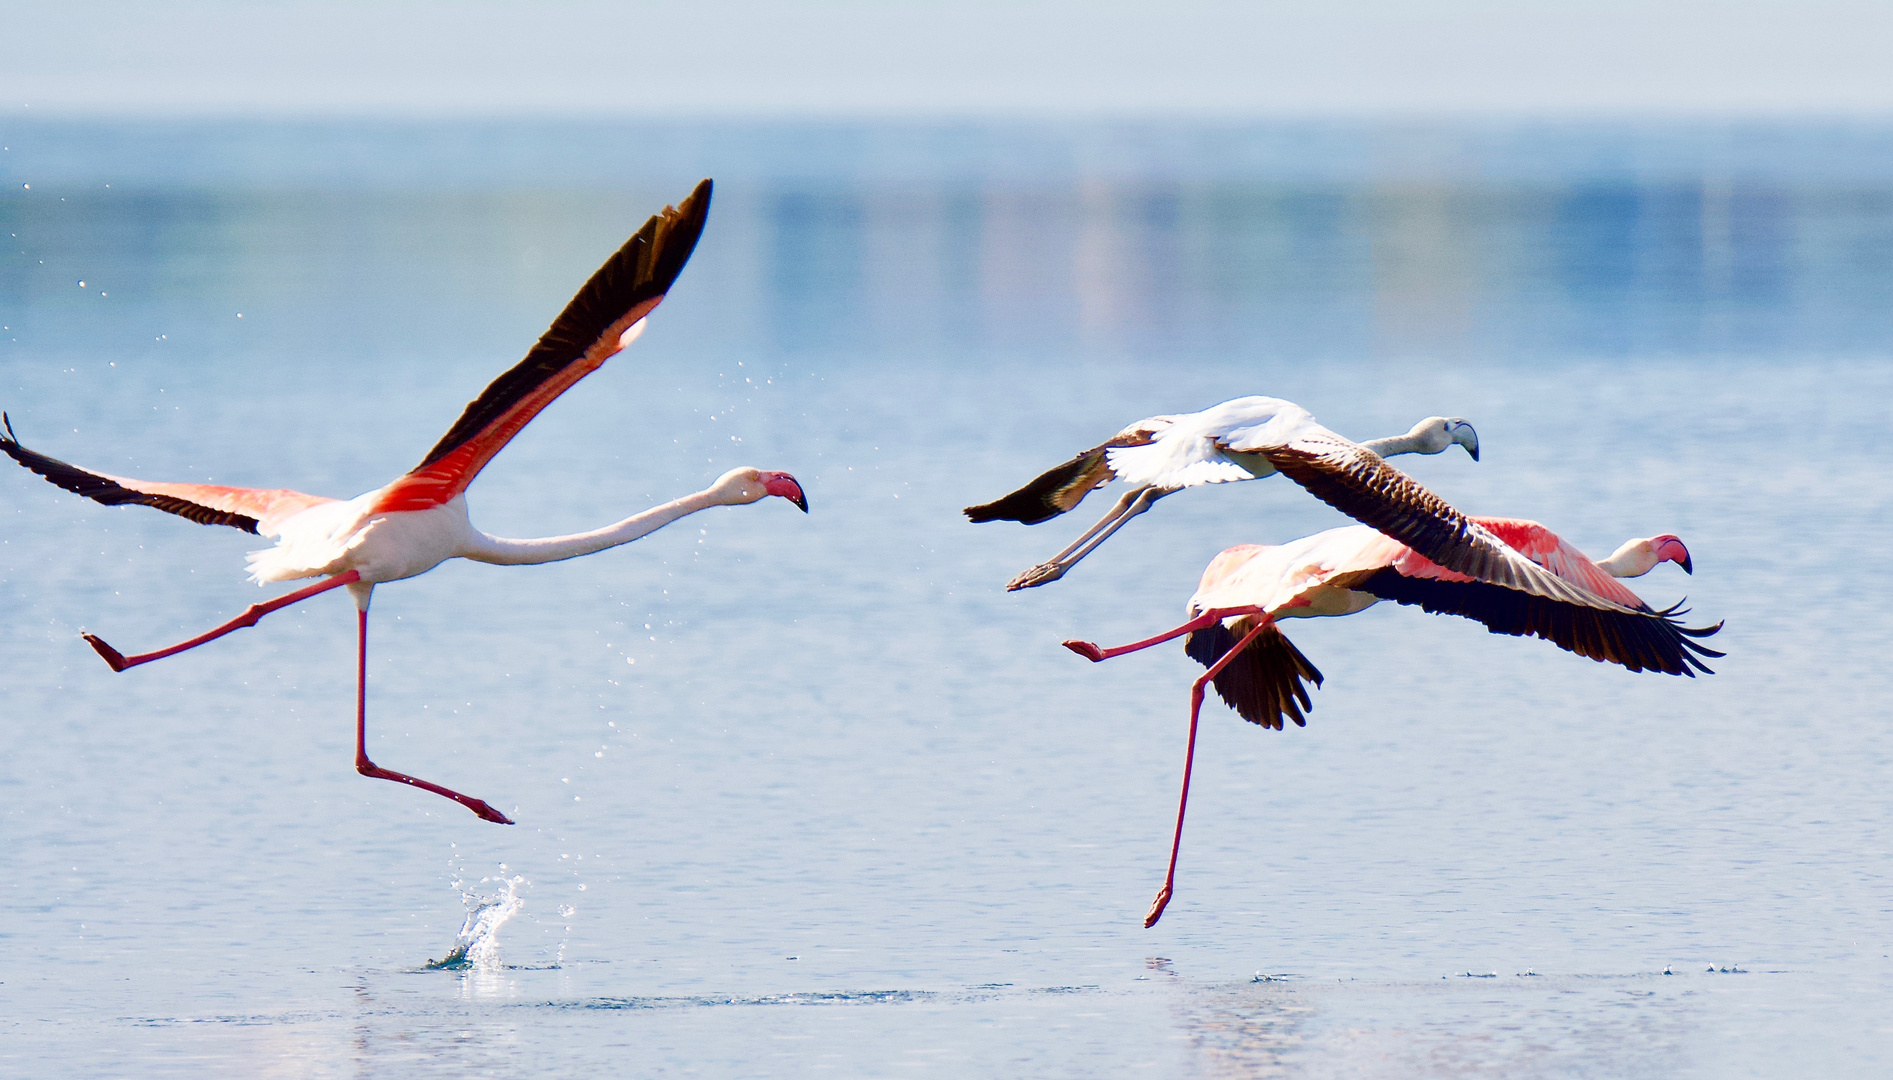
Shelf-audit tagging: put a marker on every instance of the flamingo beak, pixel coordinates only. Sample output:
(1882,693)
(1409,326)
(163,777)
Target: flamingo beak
(1464,435)
(1670,549)
(781,483)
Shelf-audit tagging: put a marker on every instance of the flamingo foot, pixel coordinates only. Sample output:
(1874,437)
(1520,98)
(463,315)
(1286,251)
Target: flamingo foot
(478,806)
(1042,574)
(1085,649)
(112,656)
(1156,906)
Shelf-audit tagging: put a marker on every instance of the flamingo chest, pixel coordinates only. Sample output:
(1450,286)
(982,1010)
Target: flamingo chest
(381,546)
(400,544)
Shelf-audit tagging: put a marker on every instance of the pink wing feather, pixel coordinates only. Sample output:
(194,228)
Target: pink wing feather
(256,510)
(1552,552)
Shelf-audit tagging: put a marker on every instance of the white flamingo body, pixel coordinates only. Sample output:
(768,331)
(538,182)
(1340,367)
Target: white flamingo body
(1161,455)
(1196,449)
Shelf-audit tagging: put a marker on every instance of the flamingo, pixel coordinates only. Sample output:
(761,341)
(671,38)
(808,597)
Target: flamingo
(1246,590)
(1162,455)
(420,520)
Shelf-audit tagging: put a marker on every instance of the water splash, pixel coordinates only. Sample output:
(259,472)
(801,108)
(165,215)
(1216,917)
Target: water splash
(477,946)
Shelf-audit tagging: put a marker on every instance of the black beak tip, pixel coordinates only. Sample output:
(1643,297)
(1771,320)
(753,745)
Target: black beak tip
(1474,451)
(801,502)
(1687,567)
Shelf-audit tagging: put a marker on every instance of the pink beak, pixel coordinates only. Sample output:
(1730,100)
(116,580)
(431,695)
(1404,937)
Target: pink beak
(781,483)
(1670,549)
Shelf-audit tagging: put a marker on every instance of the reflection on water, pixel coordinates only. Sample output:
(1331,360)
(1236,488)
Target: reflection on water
(808,794)
(1526,1027)
(1616,265)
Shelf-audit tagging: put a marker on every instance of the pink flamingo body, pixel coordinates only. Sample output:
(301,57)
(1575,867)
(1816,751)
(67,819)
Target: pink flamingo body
(420,520)
(1247,590)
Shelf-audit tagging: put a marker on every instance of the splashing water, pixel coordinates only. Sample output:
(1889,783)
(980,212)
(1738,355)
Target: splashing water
(477,945)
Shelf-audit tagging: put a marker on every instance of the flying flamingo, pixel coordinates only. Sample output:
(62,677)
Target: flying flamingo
(1162,455)
(420,520)
(1245,590)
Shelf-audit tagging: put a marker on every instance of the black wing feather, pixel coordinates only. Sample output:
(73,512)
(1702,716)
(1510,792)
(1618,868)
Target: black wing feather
(1357,482)
(1051,493)
(1641,641)
(1266,682)
(1060,487)
(104,489)
(643,269)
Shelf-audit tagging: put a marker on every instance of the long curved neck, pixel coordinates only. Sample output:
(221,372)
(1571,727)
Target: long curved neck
(1634,559)
(1417,441)
(504,552)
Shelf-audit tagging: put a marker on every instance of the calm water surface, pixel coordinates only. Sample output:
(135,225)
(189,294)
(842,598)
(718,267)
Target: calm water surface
(812,796)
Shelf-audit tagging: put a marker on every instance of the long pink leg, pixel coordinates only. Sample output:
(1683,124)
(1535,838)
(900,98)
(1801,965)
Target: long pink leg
(1189,760)
(1215,615)
(250,617)
(369,768)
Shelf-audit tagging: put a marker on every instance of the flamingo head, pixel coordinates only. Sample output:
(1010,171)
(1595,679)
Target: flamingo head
(1435,434)
(1666,548)
(1638,557)
(1459,431)
(746,485)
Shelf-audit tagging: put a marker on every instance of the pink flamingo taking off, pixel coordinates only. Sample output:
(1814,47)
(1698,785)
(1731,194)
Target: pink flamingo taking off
(1162,455)
(420,520)
(1246,590)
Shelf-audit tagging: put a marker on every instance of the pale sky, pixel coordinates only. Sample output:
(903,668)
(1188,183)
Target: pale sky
(974,58)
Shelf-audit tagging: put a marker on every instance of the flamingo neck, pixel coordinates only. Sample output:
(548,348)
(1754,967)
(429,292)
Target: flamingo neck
(503,552)
(1421,440)
(1634,559)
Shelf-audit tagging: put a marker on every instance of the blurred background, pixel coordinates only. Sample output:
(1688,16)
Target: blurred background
(806,796)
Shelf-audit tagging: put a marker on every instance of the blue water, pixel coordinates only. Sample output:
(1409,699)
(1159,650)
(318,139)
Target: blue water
(812,796)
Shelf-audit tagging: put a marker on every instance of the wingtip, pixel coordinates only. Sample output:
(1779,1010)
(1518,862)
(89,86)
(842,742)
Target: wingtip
(697,203)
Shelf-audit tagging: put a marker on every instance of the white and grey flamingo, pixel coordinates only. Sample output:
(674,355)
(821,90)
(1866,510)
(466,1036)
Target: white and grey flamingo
(1162,455)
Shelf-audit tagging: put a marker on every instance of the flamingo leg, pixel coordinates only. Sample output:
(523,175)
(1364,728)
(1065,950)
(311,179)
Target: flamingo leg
(1094,654)
(1129,505)
(250,617)
(373,771)
(1189,759)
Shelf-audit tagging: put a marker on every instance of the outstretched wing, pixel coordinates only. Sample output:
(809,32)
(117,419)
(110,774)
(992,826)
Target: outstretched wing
(1554,553)
(1641,641)
(254,510)
(1357,482)
(1062,487)
(1265,683)
(605,316)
